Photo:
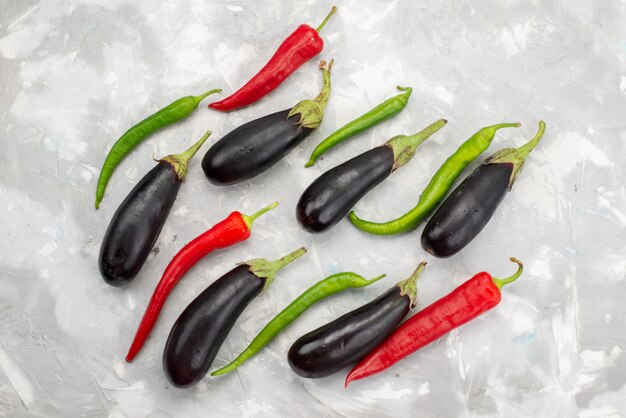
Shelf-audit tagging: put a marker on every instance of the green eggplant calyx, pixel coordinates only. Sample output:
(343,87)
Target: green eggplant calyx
(267,270)
(404,147)
(312,111)
(180,161)
(409,286)
(516,156)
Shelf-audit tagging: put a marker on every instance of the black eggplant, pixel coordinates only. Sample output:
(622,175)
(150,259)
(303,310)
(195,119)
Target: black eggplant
(464,213)
(254,147)
(137,222)
(331,196)
(201,329)
(351,337)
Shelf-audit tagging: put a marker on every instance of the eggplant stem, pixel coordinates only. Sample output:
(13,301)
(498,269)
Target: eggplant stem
(312,111)
(525,149)
(180,161)
(405,146)
(409,286)
(267,270)
(324,94)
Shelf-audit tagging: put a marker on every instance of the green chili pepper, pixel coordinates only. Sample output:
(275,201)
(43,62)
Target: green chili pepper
(438,186)
(387,109)
(322,289)
(170,114)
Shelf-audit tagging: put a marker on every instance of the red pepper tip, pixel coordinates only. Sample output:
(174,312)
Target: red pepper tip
(216,106)
(349,378)
(132,352)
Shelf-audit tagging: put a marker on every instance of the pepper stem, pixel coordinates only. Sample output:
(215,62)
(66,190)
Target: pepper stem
(409,286)
(409,89)
(204,95)
(312,111)
(502,282)
(326,19)
(525,149)
(249,219)
(180,161)
(404,146)
(375,279)
(267,269)
(504,125)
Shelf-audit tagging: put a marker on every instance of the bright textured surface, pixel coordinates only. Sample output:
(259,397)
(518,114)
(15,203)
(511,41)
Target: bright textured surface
(75,75)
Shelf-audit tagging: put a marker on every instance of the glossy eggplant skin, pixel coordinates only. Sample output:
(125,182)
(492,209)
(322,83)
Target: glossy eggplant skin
(201,329)
(467,210)
(136,225)
(331,196)
(253,148)
(349,338)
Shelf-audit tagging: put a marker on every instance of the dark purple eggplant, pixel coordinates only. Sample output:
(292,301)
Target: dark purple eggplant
(254,147)
(201,329)
(351,337)
(137,222)
(331,196)
(467,210)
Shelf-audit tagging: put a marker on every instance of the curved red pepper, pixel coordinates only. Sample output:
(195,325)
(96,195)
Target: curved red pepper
(466,302)
(302,45)
(235,228)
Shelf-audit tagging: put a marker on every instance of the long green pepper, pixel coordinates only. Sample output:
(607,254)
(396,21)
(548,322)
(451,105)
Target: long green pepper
(438,186)
(386,110)
(322,289)
(175,111)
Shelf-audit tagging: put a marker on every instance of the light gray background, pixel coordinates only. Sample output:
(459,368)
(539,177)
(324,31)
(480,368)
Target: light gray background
(76,74)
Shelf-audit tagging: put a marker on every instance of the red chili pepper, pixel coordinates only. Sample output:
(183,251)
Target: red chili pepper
(235,228)
(302,45)
(466,302)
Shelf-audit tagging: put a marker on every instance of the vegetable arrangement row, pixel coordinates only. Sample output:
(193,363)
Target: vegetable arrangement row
(370,336)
